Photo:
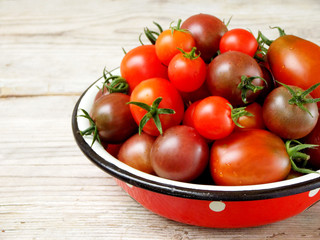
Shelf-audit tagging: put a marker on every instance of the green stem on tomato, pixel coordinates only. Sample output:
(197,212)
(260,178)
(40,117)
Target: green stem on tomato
(153,112)
(294,148)
(236,113)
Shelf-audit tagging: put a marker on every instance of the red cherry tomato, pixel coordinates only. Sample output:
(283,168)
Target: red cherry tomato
(254,156)
(187,72)
(212,118)
(239,40)
(170,40)
(148,91)
(141,63)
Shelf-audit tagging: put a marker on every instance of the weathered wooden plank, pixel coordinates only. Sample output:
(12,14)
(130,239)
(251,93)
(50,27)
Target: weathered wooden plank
(60,48)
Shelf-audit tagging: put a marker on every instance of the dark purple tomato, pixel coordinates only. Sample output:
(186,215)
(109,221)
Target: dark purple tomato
(288,120)
(314,138)
(179,154)
(226,72)
(135,152)
(113,118)
(207,31)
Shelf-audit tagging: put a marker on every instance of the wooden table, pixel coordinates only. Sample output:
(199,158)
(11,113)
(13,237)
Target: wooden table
(50,51)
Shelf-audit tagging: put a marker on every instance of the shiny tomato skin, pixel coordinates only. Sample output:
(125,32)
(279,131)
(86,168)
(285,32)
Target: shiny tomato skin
(288,120)
(179,154)
(295,61)
(113,118)
(141,63)
(314,138)
(188,114)
(167,44)
(135,152)
(187,75)
(240,40)
(254,156)
(212,118)
(250,122)
(149,90)
(224,76)
(207,31)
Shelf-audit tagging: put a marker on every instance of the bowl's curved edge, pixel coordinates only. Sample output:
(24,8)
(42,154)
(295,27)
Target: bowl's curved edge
(178,191)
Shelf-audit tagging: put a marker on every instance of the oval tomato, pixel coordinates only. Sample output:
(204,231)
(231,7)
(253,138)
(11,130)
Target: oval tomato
(142,63)
(254,156)
(295,61)
(240,40)
(147,92)
(207,31)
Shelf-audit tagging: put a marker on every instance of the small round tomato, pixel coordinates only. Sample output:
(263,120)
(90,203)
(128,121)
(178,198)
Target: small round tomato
(254,120)
(212,118)
(147,92)
(236,77)
(113,118)
(170,40)
(284,117)
(179,154)
(135,152)
(254,156)
(240,40)
(207,31)
(187,71)
(142,63)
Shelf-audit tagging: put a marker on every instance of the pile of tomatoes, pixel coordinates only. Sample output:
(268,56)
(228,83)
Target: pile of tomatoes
(204,100)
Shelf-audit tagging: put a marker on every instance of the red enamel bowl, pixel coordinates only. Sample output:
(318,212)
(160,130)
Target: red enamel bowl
(199,204)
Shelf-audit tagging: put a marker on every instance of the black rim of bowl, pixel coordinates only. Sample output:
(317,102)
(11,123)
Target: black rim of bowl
(178,191)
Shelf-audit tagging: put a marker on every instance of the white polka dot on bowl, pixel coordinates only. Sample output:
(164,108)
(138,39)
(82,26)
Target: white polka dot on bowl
(314,192)
(217,206)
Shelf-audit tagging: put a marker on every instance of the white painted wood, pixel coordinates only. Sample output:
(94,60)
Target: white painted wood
(50,51)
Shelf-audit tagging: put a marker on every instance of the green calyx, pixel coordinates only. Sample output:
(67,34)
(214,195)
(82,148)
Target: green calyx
(178,27)
(299,97)
(264,43)
(236,113)
(114,83)
(153,112)
(190,55)
(246,84)
(152,36)
(92,130)
(294,149)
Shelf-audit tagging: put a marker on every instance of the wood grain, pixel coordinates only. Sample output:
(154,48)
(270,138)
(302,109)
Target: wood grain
(50,51)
